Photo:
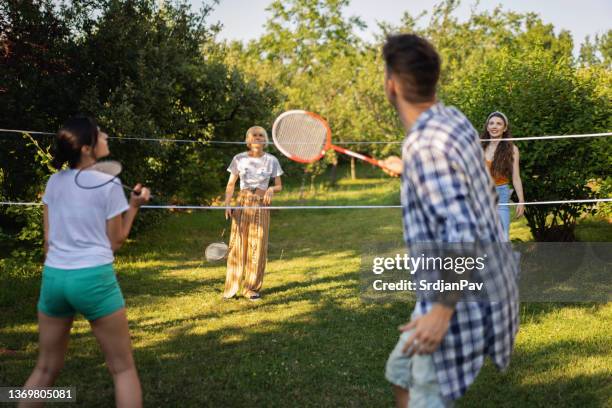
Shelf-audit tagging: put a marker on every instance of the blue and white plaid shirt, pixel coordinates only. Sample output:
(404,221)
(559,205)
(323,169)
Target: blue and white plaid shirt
(448,196)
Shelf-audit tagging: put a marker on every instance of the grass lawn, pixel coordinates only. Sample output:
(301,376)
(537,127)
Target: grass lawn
(311,341)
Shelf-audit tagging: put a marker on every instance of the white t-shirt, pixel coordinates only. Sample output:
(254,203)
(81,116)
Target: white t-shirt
(77,221)
(255,172)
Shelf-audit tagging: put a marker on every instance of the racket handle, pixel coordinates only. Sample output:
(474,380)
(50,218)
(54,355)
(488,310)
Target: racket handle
(131,190)
(357,156)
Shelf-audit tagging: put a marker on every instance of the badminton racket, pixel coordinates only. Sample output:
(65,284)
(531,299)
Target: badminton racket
(216,251)
(219,250)
(304,137)
(100,174)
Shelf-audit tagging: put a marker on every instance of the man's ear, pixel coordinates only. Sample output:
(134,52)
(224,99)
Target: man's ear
(390,86)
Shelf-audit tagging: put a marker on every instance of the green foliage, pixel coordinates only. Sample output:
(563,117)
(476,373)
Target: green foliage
(597,52)
(313,55)
(515,63)
(142,71)
(604,189)
(147,71)
(541,96)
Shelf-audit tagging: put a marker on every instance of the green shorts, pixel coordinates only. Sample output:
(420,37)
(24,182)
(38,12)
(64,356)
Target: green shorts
(94,292)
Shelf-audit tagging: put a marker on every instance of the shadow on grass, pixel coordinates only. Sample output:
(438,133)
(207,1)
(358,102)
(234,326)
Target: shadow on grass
(335,357)
(309,342)
(332,355)
(281,295)
(268,363)
(140,285)
(531,379)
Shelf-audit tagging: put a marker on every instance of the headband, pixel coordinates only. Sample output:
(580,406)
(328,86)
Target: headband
(500,114)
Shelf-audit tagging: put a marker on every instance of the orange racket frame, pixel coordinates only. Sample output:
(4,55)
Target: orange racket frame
(328,142)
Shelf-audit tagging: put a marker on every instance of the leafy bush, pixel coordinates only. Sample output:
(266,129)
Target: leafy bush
(142,71)
(540,96)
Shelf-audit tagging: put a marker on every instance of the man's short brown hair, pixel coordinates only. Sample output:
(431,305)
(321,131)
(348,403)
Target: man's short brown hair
(416,63)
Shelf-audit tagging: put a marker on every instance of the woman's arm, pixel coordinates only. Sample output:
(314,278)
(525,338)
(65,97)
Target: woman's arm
(229,193)
(278,186)
(118,228)
(46,228)
(517,183)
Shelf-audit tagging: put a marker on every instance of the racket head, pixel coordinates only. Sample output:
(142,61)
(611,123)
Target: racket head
(98,174)
(216,251)
(302,136)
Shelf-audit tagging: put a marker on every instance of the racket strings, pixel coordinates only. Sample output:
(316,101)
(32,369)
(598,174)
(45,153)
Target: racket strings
(216,251)
(98,175)
(301,135)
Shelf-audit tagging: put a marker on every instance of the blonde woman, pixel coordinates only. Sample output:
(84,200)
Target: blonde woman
(246,260)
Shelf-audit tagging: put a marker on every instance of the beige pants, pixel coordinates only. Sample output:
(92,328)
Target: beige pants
(248,247)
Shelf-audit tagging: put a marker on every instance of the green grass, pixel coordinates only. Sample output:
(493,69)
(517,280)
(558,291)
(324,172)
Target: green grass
(311,341)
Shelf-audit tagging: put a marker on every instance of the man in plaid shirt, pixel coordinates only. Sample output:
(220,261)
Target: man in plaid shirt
(447,197)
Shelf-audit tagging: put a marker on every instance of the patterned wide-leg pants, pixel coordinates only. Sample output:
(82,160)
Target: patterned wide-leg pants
(248,247)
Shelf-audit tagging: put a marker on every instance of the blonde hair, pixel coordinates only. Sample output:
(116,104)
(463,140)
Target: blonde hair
(254,129)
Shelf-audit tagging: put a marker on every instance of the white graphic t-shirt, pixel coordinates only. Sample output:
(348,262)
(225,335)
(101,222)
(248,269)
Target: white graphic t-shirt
(255,172)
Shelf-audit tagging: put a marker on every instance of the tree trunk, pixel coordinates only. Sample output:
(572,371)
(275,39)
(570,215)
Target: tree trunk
(301,197)
(549,232)
(333,174)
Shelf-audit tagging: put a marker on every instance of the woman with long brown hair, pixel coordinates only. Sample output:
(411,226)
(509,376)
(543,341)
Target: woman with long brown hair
(502,158)
(248,246)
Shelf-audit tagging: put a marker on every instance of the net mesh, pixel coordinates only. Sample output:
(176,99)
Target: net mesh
(300,135)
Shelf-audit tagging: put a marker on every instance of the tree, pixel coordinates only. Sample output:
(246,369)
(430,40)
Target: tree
(311,53)
(142,71)
(597,52)
(513,62)
(540,97)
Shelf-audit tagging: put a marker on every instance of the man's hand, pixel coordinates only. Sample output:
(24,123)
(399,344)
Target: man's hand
(393,166)
(429,330)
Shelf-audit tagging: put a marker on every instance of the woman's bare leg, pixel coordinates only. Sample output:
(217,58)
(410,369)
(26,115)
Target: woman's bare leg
(53,336)
(114,337)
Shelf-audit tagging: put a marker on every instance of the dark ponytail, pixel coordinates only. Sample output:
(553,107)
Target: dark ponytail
(76,132)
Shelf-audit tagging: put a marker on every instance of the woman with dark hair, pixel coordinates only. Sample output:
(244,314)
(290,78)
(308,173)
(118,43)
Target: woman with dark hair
(83,228)
(502,158)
